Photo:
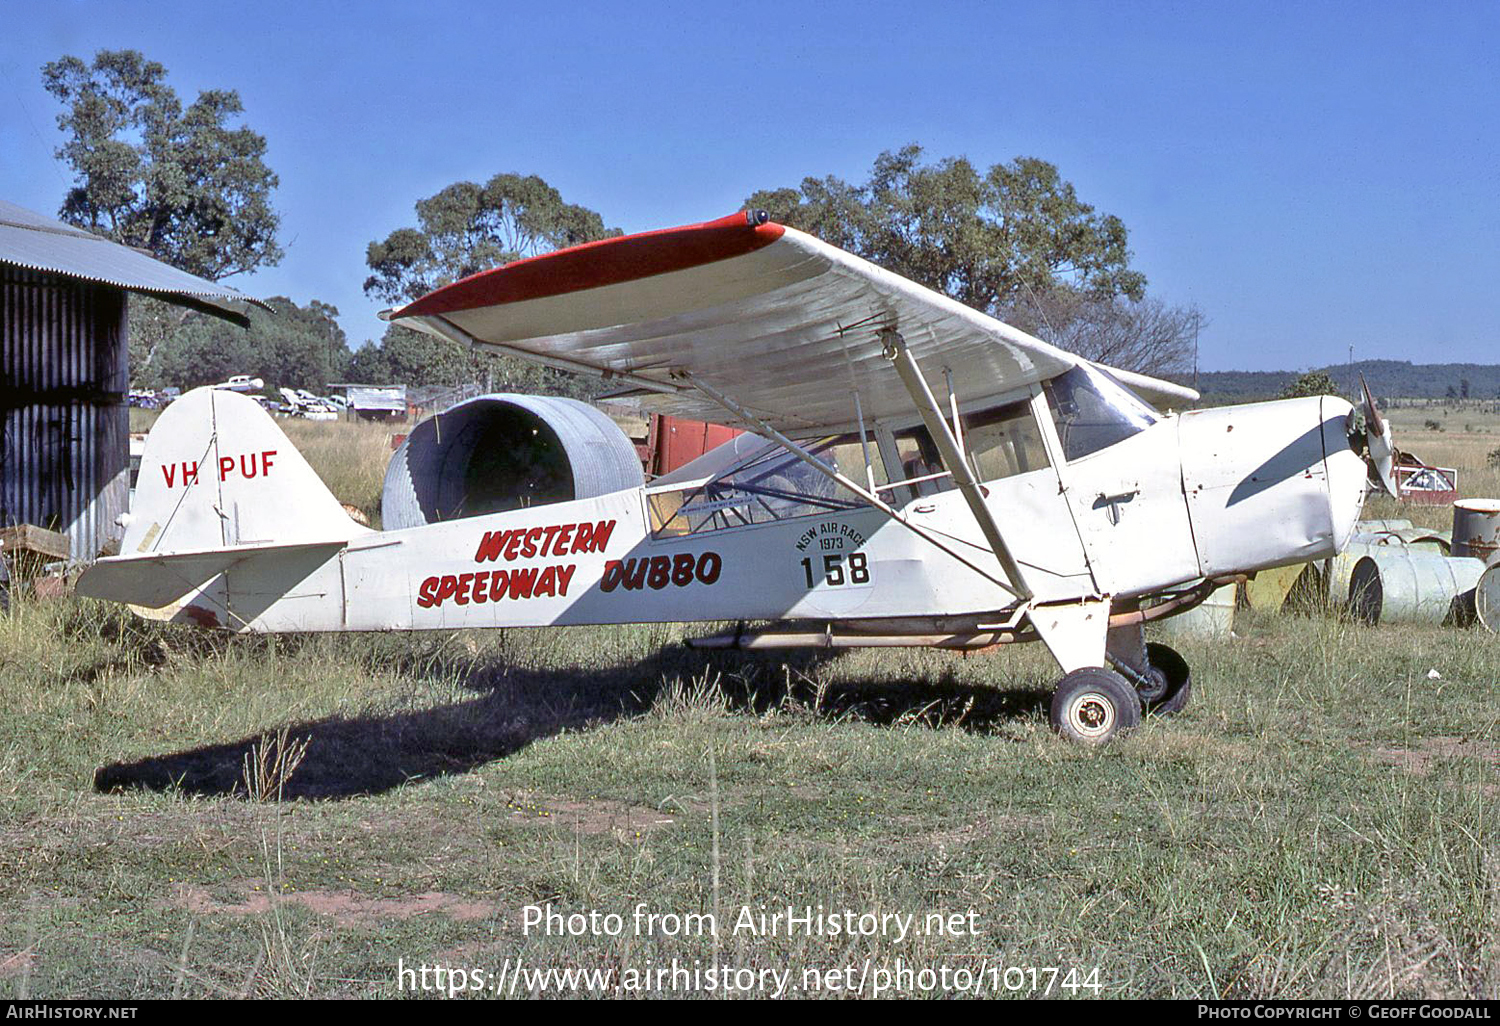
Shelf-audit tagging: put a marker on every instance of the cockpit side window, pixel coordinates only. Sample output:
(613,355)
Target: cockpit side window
(769,484)
(1094,411)
(1000,442)
(1004,442)
(772,485)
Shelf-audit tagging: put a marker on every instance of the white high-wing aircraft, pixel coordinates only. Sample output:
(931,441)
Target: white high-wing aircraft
(1040,498)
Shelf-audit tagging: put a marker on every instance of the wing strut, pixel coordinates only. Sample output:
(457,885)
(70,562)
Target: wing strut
(832,473)
(952,454)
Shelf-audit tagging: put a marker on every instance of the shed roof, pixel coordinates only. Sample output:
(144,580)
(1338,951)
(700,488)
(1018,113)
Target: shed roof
(29,239)
(378,397)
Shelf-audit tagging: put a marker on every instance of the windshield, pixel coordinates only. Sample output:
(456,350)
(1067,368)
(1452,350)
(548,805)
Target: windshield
(772,485)
(1094,411)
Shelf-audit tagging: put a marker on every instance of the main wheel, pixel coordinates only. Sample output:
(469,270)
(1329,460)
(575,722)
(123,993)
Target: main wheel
(1176,678)
(1093,705)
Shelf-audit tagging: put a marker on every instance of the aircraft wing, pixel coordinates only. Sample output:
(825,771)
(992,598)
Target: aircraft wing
(1157,392)
(784,323)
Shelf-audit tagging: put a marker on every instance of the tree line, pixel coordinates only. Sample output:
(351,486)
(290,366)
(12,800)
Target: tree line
(190,184)
(1398,379)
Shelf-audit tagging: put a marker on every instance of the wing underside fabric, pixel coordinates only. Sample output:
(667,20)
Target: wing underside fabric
(788,326)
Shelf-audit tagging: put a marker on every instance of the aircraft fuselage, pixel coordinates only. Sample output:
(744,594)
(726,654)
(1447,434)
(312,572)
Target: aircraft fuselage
(1199,495)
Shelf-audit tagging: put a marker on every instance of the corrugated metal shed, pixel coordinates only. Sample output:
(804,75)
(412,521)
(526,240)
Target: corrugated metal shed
(64,375)
(382,399)
(31,240)
(62,378)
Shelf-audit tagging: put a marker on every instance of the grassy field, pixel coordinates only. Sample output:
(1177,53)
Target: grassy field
(1320,822)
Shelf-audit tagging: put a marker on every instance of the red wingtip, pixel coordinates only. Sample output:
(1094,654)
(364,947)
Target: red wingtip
(606,262)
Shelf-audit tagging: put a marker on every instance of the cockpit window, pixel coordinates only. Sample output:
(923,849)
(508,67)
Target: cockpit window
(1000,442)
(772,485)
(1094,411)
(1004,442)
(759,482)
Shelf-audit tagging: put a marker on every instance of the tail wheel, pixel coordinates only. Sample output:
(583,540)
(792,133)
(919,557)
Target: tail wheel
(1176,678)
(1094,705)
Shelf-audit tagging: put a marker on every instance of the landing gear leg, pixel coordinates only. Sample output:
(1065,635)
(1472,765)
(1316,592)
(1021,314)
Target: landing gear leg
(1092,704)
(1159,673)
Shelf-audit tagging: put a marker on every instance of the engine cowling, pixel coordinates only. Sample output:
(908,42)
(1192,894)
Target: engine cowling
(503,452)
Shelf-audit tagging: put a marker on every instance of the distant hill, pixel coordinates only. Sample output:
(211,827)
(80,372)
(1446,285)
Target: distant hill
(1387,378)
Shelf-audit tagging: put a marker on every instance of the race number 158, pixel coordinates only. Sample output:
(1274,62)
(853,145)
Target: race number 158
(838,570)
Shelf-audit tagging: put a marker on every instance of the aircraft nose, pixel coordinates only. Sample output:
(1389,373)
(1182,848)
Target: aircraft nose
(1347,474)
(1256,482)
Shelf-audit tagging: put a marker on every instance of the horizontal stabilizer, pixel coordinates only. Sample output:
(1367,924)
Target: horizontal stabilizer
(153,580)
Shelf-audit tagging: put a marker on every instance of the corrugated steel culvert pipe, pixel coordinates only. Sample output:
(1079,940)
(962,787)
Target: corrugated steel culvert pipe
(504,452)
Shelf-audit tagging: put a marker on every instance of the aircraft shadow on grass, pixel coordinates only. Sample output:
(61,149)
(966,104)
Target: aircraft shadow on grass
(351,756)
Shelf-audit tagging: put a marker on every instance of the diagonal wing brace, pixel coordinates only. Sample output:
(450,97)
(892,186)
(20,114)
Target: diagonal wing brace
(823,468)
(952,454)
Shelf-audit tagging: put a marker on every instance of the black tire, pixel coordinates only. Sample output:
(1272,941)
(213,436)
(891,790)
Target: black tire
(1093,706)
(1169,664)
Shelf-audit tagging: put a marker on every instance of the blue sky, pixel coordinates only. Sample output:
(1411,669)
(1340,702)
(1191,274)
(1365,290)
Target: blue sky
(1311,175)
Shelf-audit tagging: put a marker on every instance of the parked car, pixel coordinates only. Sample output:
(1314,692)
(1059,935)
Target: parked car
(242,383)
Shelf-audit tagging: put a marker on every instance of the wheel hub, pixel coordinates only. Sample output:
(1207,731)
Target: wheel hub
(1093,704)
(1093,714)
(1155,687)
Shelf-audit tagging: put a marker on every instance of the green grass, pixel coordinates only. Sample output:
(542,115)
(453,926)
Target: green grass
(1318,823)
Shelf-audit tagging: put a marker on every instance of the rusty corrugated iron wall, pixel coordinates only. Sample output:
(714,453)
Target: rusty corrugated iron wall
(64,461)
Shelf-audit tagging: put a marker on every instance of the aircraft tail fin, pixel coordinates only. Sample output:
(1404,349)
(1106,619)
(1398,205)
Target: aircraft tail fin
(217,473)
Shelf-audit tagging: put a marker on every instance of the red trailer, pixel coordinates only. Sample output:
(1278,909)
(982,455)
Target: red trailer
(672,441)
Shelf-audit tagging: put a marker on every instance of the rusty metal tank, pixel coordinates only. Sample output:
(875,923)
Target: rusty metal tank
(1476,528)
